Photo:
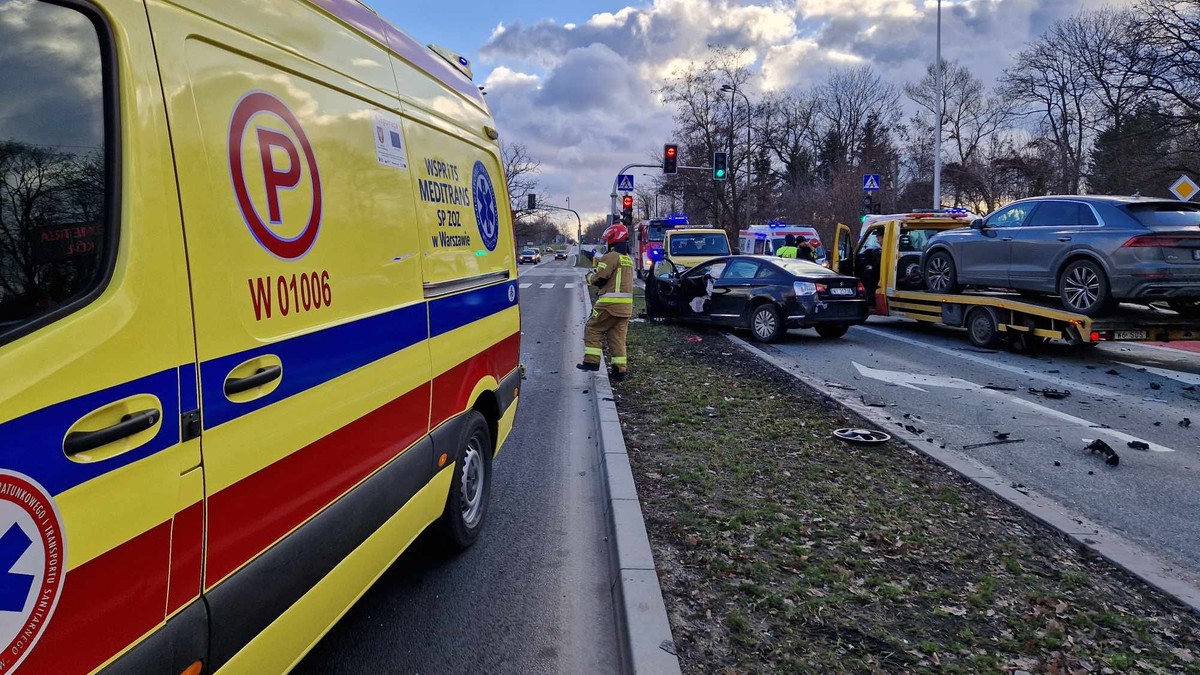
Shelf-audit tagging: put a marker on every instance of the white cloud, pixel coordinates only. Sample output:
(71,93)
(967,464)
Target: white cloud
(579,94)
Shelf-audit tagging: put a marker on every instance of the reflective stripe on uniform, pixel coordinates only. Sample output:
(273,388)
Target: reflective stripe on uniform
(610,300)
(620,360)
(601,266)
(593,351)
(626,261)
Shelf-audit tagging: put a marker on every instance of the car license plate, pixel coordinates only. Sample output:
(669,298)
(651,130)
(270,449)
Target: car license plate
(1129,335)
(842,291)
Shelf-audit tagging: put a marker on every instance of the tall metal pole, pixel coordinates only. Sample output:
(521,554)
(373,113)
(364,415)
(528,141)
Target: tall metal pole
(937,144)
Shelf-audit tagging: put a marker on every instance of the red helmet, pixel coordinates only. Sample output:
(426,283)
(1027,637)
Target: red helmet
(616,234)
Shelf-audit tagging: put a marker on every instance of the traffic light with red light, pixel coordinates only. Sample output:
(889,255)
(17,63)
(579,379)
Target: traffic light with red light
(670,158)
(720,165)
(627,211)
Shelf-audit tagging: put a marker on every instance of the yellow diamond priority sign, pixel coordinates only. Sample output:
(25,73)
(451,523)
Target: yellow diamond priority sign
(1185,188)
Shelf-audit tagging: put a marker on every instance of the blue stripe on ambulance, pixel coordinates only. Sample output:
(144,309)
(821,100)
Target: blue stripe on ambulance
(32,444)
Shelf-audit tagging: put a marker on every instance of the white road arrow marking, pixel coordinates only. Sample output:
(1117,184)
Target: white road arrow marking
(1186,378)
(911,380)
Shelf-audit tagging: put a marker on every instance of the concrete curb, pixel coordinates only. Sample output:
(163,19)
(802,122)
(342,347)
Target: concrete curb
(647,646)
(1164,576)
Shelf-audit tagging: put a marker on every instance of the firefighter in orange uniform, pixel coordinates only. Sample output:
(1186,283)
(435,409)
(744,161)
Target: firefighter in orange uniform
(613,275)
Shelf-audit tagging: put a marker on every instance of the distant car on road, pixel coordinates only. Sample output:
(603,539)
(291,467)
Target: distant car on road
(531,256)
(763,294)
(549,249)
(1092,252)
(560,254)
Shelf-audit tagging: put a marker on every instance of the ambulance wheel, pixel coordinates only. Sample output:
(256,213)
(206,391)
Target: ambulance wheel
(981,328)
(766,324)
(466,505)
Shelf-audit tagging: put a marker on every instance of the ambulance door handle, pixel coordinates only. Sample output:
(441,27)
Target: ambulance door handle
(133,423)
(237,385)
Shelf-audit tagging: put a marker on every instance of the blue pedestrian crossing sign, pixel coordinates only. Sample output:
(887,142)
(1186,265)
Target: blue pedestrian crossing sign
(871,182)
(625,182)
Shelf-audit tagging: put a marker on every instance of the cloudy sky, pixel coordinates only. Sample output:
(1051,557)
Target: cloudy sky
(573,80)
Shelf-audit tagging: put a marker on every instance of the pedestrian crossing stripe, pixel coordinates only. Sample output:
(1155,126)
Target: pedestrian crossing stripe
(551,285)
(526,285)
(547,286)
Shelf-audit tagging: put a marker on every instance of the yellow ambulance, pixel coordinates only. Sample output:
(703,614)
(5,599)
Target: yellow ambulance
(259,324)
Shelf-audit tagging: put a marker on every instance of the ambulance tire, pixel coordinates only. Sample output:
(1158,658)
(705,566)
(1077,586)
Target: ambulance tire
(470,485)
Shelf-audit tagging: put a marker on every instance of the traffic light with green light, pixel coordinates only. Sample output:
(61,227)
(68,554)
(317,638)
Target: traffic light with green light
(720,165)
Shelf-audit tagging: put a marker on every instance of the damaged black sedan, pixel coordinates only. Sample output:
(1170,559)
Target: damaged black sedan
(763,294)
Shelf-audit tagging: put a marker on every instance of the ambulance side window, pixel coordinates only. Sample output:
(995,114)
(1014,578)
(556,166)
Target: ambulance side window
(55,165)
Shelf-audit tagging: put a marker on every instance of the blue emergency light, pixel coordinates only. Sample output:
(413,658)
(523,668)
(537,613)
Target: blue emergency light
(676,219)
(655,254)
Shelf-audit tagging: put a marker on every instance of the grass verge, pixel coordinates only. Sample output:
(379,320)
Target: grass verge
(781,549)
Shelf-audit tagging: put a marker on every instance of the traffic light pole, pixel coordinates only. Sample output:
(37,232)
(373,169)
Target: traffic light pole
(578,221)
(627,167)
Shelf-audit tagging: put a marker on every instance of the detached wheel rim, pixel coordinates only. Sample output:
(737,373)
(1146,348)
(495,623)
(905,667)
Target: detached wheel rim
(939,273)
(764,323)
(473,477)
(1081,288)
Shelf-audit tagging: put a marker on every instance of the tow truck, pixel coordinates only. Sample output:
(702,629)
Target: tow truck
(886,257)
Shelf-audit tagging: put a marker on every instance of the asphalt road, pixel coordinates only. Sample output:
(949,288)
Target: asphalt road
(533,595)
(937,379)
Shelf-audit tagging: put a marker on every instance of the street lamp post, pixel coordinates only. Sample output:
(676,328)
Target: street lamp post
(733,90)
(941,112)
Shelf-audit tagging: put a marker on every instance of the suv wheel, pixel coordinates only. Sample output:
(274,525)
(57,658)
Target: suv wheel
(940,274)
(1083,287)
(766,324)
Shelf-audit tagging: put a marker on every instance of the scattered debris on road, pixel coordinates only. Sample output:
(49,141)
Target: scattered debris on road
(1050,393)
(839,385)
(1001,435)
(1139,445)
(1185,422)
(998,387)
(873,402)
(1110,455)
(1155,385)
(1112,371)
(694,338)
(990,443)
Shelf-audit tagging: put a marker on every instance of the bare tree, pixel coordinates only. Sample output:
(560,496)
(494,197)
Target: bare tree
(520,174)
(1169,33)
(1053,85)
(788,129)
(707,120)
(848,99)
(1106,45)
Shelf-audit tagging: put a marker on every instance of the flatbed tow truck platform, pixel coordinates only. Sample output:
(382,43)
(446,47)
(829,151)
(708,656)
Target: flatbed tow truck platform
(887,260)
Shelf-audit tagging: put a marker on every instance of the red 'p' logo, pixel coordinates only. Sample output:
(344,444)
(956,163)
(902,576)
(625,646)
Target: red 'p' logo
(276,177)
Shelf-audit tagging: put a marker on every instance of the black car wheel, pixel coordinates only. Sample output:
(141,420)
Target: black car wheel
(832,331)
(766,324)
(466,504)
(1189,308)
(940,274)
(982,330)
(1083,287)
